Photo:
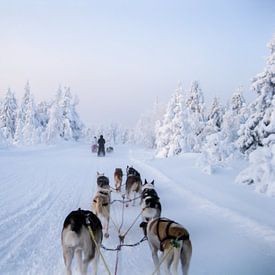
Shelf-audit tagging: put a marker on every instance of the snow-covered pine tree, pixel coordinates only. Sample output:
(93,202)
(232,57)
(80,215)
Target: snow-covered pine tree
(72,126)
(233,118)
(213,123)
(170,131)
(76,124)
(30,132)
(257,136)
(8,110)
(222,132)
(194,118)
(65,105)
(214,119)
(26,122)
(55,127)
(258,129)
(42,115)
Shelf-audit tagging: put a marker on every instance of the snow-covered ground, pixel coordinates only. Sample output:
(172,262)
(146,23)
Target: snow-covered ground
(232,228)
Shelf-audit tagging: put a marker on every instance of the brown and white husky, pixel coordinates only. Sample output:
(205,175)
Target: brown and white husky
(118,174)
(76,240)
(173,240)
(133,183)
(101,205)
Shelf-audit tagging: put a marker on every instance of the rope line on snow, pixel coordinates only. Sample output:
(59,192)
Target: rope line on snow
(125,201)
(98,249)
(121,245)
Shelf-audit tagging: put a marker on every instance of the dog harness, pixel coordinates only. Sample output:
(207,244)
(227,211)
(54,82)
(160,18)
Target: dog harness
(168,236)
(105,194)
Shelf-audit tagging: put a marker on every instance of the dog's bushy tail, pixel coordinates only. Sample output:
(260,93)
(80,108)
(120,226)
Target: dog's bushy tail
(185,255)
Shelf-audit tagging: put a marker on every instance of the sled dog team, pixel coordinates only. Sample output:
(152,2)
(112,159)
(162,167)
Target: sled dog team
(83,230)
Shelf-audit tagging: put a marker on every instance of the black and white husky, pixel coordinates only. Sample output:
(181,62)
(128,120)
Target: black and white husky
(150,202)
(77,240)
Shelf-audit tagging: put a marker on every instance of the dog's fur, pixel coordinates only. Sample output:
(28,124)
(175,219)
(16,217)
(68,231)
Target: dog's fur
(133,183)
(160,232)
(101,205)
(76,240)
(150,203)
(102,181)
(118,174)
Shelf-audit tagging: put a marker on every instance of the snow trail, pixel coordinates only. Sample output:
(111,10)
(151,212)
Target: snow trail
(40,188)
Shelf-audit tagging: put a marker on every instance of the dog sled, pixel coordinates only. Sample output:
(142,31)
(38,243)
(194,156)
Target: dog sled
(94,148)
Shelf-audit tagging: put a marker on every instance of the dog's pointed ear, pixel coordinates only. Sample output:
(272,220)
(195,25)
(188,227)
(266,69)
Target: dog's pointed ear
(153,182)
(97,173)
(145,182)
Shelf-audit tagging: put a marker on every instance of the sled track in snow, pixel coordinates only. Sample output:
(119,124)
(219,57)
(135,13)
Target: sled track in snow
(248,225)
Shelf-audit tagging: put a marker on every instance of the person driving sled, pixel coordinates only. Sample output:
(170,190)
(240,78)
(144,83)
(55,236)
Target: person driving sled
(101,146)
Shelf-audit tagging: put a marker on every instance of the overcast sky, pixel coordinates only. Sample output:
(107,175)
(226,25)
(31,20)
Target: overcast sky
(118,56)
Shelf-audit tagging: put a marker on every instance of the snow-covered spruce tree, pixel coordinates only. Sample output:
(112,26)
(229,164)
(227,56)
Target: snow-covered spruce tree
(54,126)
(8,110)
(258,133)
(214,118)
(42,115)
(30,130)
(144,132)
(26,122)
(72,126)
(170,131)
(221,132)
(194,117)
(233,118)
(257,130)
(63,121)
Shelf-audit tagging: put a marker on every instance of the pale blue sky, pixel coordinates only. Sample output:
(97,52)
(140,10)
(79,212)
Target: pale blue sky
(118,56)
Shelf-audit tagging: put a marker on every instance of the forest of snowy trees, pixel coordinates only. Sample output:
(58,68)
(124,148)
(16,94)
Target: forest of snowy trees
(223,133)
(219,133)
(28,123)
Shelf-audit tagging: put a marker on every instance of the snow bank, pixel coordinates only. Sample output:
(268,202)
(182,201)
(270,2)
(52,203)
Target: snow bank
(260,170)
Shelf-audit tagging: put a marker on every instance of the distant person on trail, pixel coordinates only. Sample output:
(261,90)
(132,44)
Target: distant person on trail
(101,146)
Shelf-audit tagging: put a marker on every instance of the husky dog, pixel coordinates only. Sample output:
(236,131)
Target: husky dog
(76,239)
(150,202)
(171,238)
(101,205)
(133,183)
(102,181)
(118,178)
(110,149)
